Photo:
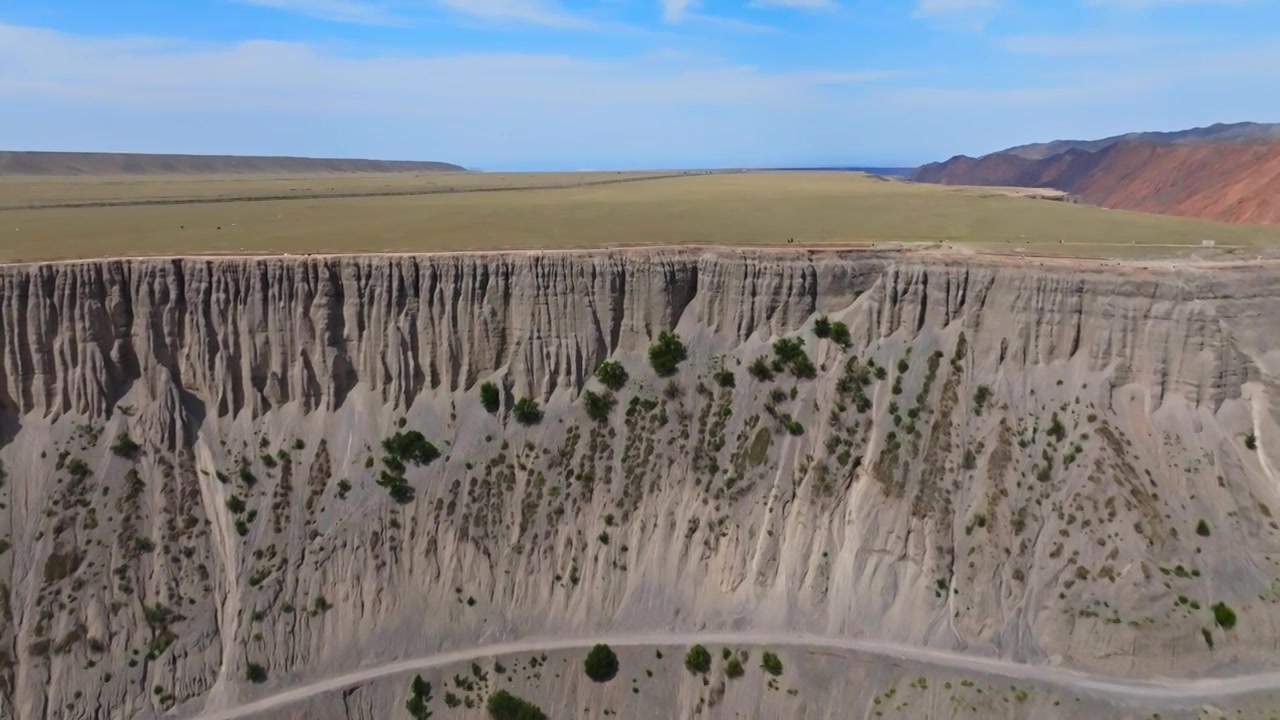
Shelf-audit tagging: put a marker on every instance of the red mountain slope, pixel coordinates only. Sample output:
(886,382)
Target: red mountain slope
(1234,182)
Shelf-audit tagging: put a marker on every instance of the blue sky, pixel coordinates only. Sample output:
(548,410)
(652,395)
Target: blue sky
(595,84)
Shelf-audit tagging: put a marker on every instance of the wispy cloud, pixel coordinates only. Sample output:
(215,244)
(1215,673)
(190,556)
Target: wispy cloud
(1140,4)
(1085,44)
(795,4)
(346,11)
(940,8)
(685,11)
(532,12)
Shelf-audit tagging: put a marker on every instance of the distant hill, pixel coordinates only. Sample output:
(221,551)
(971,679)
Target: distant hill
(1221,132)
(84,163)
(1233,181)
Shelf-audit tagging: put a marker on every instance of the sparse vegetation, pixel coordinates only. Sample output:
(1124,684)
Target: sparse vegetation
(667,353)
(698,660)
(527,412)
(601,664)
(760,370)
(840,334)
(1223,616)
(125,447)
(612,375)
(419,699)
(505,706)
(490,398)
(598,405)
(255,673)
(733,669)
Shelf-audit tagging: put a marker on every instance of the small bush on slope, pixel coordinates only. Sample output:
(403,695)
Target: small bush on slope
(612,375)
(698,660)
(490,398)
(505,706)
(667,353)
(527,412)
(601,664)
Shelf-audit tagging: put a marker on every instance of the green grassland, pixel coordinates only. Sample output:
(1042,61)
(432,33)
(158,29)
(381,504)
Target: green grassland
(456,212)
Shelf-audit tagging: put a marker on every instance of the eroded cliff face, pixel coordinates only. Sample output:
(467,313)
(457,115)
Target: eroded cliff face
(1008,457)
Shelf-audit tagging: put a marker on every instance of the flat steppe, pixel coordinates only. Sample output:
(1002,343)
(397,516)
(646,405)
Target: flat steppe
(55,218)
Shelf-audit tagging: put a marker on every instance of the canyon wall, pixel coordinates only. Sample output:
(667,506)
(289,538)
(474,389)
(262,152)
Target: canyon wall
(1046,461)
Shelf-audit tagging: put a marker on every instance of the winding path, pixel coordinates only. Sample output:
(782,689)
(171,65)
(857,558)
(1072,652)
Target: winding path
(1162,692)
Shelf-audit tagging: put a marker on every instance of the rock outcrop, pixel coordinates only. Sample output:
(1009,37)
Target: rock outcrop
(1035,460)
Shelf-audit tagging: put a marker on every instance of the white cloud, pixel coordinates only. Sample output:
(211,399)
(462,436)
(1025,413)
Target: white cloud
(684,11)
(348,11)
(1141,4)
(795,4)
(533,12)
(936,8)
(1087,44)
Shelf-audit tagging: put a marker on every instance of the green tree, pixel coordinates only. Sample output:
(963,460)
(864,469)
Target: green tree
(1202,529)
(598,405)
(771,664)
(601,664)
(1224,616)
(822,327)
(527,412)
(490,398)
(840,334)
(698,660)
(667,353)
(505,706)
(419,698)
(255,673)
(612,375)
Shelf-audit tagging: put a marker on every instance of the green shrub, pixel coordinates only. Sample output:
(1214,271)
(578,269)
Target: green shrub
(667,353)
(235,504)
(410,447)
(1202,529)
(612,375)
(970,460)
(490,398)
(344,487)
(903,366)
(1251,441)
(527,412)
(771,664)
(419,698)
(760,370)
(1224,616)
(505,706)
(698,660)
(822,327)
(598,405)
(788,350)
(268,460)
(980,398)
(733,669)
(255,673)
(840,334)
(724,378)
(601,664)
(78,468)
(125,447)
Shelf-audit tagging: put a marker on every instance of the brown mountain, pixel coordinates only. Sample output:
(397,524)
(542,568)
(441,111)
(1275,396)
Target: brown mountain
(1229,181)
(88,163)
(1221,132)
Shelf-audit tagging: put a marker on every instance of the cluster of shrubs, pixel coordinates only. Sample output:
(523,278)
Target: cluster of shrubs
(404,447)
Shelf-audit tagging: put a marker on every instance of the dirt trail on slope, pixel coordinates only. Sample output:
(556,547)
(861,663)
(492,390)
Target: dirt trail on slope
(1155,693)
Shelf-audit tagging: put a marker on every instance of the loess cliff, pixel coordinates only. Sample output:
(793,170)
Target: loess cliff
(1056,462)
